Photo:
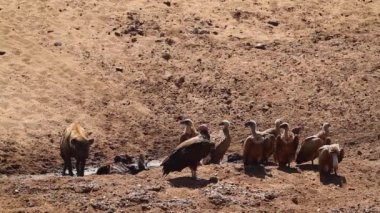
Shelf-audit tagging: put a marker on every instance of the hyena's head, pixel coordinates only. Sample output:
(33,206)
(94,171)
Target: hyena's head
(82,147)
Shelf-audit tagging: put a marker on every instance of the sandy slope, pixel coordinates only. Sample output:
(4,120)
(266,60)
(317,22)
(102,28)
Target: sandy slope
(321,63)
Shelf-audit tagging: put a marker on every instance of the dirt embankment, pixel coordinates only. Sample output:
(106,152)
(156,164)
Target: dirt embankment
(128,71)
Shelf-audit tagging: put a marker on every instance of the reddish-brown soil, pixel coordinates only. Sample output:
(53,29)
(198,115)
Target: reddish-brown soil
(129,70)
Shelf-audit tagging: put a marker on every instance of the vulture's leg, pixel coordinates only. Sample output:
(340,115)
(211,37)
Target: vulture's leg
(312,162)
(193,174)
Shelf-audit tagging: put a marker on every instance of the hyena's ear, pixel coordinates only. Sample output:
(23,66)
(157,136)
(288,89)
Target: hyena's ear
(90,142)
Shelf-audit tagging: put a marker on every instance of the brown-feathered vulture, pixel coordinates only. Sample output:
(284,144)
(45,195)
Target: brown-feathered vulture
(269,143)
(189,153)
(222,143)
(253,146)
(286,146)
(189,131)
(310,146)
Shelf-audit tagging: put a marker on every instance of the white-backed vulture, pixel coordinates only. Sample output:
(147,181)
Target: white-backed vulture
(253,146)
(189,131)
(329,157)
(286,146)
(189,153)
(222,144)
(269,144)
(309,147)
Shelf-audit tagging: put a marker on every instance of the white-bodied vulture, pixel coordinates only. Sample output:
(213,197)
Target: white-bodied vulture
(329,157)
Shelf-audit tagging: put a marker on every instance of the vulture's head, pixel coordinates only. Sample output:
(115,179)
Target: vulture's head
(326,126)
(250,123)
(203,129)
(278,122)
(186,122)
(225,124)
(284,126)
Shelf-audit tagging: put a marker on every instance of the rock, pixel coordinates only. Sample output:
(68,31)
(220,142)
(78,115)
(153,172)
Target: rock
(270,196)
(234,157)
(2,52)
(200,31)
(180,81)
(359,152)
(166,55)
(145,207)
(119,69)
(168,3)
(57,44)
(236,15)
(260,46)
(117,34)
(217,199)
(167,76)
(169,41)
(213,180)
(274,23)
(134,40)
(265,108)
(295,200)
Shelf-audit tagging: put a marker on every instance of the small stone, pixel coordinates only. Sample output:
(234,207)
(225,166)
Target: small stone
(57,44)
(274,23)
(2,52)
(295,200)
(167,76)
(265,108)
(359,152)
(166,55)
(169,41)
(119,69)
(134,40)
(117,34)
(180,81)
(167,3)
(260,46)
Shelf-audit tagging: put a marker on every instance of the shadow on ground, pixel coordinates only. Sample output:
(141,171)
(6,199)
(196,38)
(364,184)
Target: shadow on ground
(188,182)
(333,179)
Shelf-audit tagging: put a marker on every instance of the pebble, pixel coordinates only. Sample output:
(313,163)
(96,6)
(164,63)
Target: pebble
(295,200)
(180,81)
(167,3)
(2,52)
(119,69)
(166,55)
(274,23)
(260,46)
(57,44)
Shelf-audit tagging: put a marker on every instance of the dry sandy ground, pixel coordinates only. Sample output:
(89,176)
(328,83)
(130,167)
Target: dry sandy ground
(129,70)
